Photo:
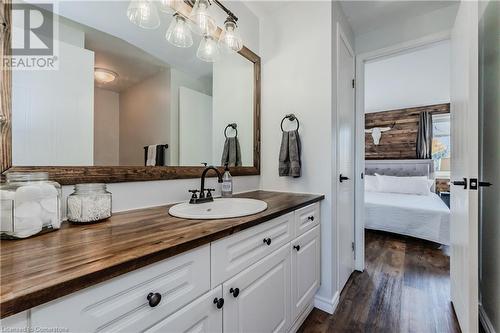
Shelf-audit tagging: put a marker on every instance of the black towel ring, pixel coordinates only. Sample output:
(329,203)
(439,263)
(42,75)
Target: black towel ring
(290,117)
(233,126)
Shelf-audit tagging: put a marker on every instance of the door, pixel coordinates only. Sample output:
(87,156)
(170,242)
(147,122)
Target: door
(204,315)
(305,270)
(258,299)
(464,164)
(345,153)
(489,196)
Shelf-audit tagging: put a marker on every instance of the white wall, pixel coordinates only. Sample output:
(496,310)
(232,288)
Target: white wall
(106,127)
(180,79)
(436,21)
(144,117)
(298,57)
(417,78)
(233,103)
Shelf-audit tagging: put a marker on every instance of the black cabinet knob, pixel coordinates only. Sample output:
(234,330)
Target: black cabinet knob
(219,302)
(234,291)
(297,247)
(310,218)
(267,241)
(154,299)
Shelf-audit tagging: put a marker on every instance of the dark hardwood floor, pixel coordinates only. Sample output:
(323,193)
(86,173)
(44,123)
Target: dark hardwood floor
(404,288)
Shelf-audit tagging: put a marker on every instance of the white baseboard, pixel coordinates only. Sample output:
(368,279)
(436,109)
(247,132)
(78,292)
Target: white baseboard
(485,320)
(327,305)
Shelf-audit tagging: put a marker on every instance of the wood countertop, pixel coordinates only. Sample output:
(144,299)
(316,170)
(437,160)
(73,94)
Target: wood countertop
(42,268)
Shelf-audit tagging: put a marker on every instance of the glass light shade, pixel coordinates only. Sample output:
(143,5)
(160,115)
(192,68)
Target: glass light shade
(230,40)
(178,32)
(102,75)
(144,14)
(168,6)
(203,23)
(208,50)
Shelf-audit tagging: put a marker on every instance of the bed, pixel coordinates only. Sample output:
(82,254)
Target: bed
(421,216)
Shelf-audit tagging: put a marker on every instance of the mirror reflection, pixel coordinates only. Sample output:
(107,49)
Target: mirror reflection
(123,95)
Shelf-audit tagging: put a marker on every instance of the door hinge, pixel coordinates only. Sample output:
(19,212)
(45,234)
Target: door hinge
(352,245)
(353,83)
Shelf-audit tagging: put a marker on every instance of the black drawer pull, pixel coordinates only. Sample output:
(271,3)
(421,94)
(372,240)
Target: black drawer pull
(267,241)
(219,302)
(310,218)
(154,299)
(234,291)
(297,247)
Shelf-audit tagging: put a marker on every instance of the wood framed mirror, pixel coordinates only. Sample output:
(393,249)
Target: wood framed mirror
(78,126)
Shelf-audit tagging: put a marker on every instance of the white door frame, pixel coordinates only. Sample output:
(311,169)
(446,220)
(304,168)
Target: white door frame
(361,60)
(341,36)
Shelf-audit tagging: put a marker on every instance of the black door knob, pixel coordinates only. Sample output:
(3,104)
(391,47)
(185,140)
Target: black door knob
(310,218)
(342,178)
(234,291)
(267,241)
(461,183)
(154,299)
(297,247)
(219,302)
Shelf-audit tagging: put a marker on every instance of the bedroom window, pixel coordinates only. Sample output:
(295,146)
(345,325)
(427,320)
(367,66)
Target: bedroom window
(441,145)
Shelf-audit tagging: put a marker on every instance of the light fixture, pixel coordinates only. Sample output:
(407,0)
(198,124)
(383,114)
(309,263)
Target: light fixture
(178,32)
(230,40)
(208,50)
(204,24)
(103,75)
(168,6)
(143,13)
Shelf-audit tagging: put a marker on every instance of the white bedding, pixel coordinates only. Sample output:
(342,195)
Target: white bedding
(421,216)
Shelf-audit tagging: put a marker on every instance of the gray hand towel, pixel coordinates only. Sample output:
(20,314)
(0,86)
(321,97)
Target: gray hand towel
(289,159)
(231,155)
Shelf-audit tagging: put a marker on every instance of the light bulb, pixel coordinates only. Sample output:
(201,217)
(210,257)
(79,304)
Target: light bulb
(178,32)
(143,13)
(168,6)
(204,24)
(103,75)
(230,40)
(208,50)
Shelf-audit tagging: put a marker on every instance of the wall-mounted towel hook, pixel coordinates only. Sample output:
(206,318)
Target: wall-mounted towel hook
(233,126)
(290,117)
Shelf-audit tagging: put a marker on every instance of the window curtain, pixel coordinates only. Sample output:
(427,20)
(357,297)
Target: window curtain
(424,136)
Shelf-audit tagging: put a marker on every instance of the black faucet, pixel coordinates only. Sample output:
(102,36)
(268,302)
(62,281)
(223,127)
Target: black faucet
(205,198)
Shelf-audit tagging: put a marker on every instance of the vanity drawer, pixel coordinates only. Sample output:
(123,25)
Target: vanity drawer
(306,218)
(231,255)
(121,304)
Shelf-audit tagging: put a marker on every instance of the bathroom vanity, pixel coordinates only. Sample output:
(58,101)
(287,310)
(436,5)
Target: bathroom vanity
(145,270)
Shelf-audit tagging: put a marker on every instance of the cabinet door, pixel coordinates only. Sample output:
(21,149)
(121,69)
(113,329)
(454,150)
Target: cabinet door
(200,316)
(262,303)
(305,270)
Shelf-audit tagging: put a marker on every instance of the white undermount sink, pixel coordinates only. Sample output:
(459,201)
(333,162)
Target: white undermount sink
(220,208)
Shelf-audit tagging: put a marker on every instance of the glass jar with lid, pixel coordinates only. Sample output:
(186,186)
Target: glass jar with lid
(29,204)
(89,203)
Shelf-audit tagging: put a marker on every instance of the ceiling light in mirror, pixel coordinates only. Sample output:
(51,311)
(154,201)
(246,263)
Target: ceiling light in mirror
(102,75)
(208,50)
(203,23)
(230,40)
(143,13)
(178,32)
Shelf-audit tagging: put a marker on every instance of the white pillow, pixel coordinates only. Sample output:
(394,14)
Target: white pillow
(419,185)
(371,183)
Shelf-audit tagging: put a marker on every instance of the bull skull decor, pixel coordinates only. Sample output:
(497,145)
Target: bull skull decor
(376,132)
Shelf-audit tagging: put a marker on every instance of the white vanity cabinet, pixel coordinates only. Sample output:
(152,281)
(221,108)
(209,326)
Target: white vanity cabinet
(261,279)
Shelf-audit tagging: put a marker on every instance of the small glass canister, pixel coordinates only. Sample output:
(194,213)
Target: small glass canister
(29,204)
(89,203)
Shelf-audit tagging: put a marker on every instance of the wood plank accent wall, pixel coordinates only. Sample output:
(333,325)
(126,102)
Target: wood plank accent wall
(5,87)
(399,143)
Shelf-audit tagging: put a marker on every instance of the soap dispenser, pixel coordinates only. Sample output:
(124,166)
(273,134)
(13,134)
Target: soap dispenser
(227,183)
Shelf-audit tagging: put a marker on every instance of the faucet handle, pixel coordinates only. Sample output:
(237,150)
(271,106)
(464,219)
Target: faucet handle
(209,192)
(194,196)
